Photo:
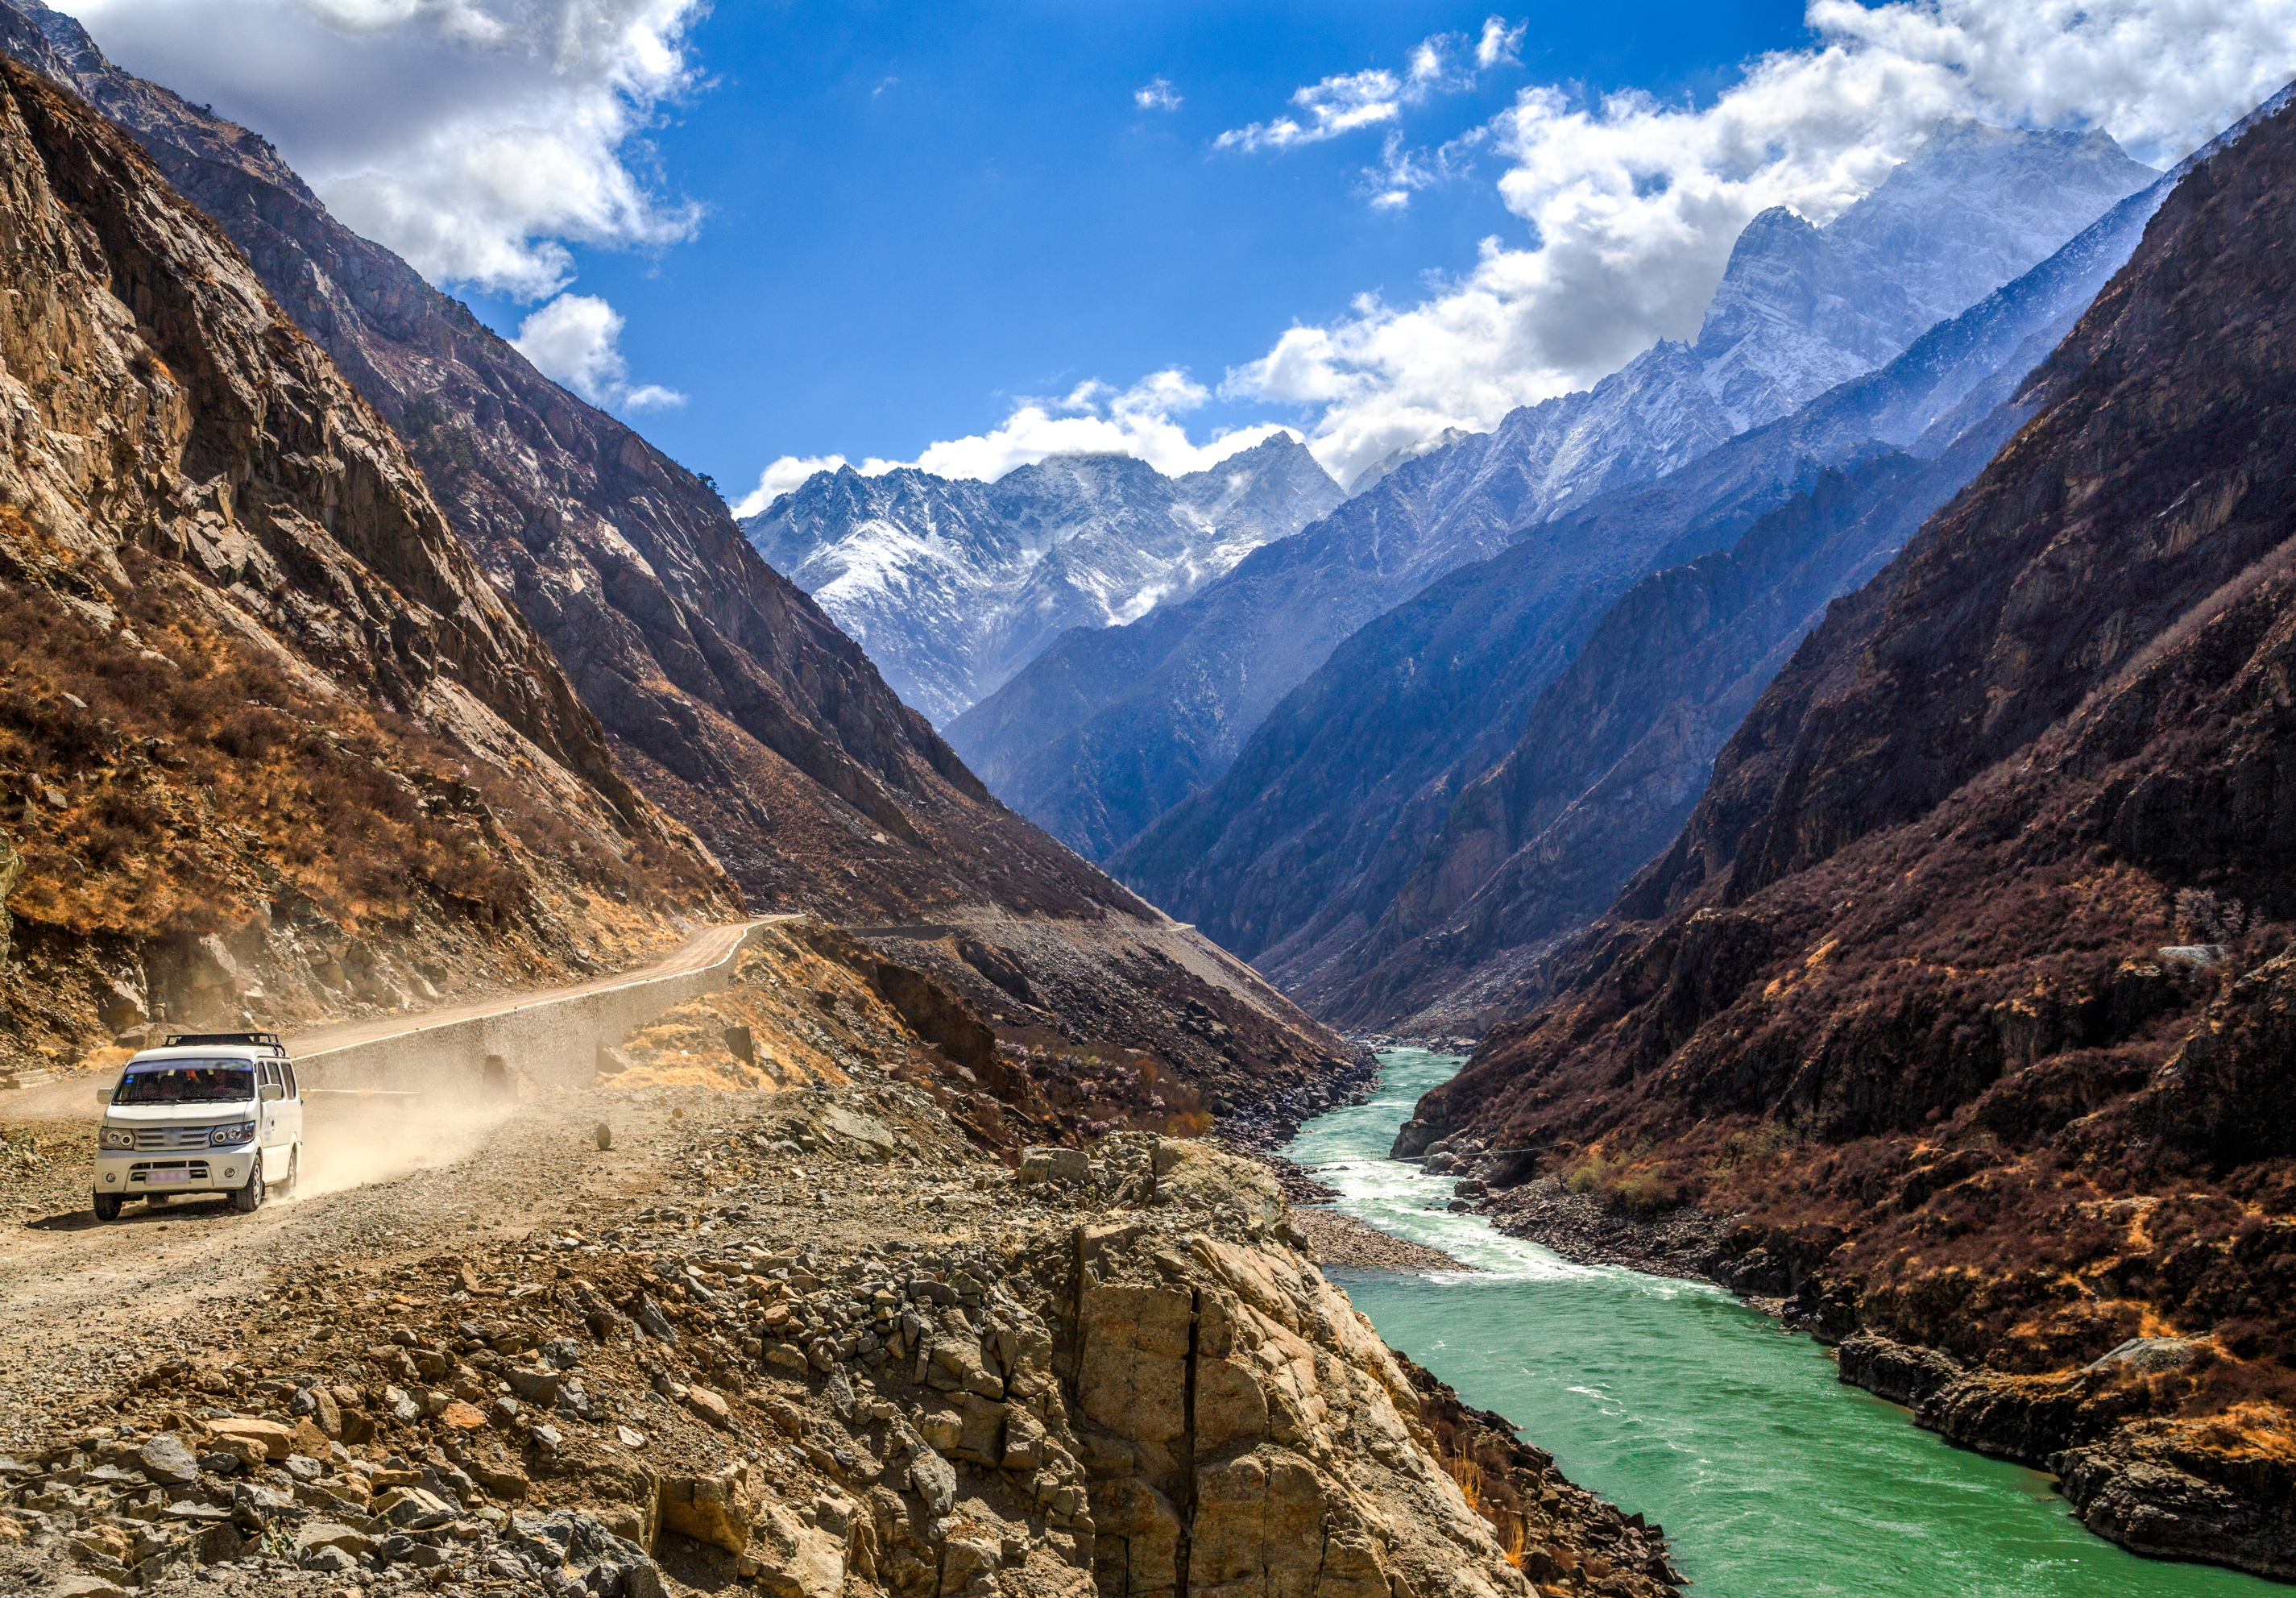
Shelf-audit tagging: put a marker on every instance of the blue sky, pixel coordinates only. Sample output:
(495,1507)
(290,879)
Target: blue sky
(916,214)
(778,235)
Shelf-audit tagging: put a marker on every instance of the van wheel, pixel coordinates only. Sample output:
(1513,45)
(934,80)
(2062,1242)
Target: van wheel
(294,1164)
(107,1207)
(248,1200)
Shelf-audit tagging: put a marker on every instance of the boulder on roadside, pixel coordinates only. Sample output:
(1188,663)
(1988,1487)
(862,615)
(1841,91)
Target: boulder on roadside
(1066,1165)
(166,1459)
(316,1535)
(710,1407)
(718,1508)
(797,1561)
(276,1441)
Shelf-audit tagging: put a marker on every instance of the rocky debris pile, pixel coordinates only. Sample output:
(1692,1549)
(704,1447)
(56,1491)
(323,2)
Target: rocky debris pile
(1345,1243)
(1266,1127)
(846,1351)
(286,1507)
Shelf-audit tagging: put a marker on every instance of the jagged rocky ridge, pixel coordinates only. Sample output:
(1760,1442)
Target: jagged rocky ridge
(726,694)
(1105,731)
(1476,774)
(1965,987)
(952,585)
(271,745)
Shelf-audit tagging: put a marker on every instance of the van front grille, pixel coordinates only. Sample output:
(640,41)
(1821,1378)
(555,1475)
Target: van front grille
(171,1137)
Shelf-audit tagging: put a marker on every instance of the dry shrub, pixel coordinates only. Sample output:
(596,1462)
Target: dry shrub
(162,780)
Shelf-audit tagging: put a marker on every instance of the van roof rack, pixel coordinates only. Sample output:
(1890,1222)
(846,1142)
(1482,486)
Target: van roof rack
(244,1039)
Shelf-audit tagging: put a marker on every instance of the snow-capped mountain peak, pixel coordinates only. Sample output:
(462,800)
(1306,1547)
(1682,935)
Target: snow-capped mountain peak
(951,584)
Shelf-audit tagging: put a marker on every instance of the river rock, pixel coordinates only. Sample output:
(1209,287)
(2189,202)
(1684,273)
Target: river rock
(1903,1373)
(2023,1418)
(2150,1355)
(2130,1490)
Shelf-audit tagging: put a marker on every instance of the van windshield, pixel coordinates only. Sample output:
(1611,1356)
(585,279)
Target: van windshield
(187,1082)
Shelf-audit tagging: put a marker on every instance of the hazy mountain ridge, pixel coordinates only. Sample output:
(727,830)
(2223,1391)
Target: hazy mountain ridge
(953,584)
(1102,734)
(1446,859)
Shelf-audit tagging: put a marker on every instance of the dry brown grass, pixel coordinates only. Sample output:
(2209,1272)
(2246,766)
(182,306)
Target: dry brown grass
(161,781)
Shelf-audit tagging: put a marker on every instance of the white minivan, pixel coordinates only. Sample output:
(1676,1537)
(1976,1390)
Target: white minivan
(210,1113)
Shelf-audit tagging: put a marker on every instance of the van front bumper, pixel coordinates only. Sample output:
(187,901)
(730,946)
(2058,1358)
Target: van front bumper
(134,1175)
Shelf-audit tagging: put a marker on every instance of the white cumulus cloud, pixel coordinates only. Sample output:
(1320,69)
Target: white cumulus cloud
(1500,42)
(477,138)
(1442,63)
(1157,95)
(576,340)
(1092,418)
(1632,203)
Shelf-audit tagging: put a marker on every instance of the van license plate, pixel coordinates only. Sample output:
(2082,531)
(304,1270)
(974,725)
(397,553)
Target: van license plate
(171,1176)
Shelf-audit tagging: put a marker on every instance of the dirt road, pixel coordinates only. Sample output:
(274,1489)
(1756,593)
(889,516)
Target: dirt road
(81,1302)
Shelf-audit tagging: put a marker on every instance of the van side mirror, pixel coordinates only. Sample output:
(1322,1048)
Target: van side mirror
(272,1092)
(103,1095)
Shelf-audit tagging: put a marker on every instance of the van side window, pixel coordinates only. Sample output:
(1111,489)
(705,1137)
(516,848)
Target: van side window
(270,1077)
(288,1067)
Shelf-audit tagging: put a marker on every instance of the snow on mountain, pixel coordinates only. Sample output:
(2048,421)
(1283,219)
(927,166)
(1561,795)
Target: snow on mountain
(953,585)
(1100,733)
(1802,308)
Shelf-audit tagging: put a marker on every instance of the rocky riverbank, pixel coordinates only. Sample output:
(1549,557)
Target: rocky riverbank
(1346,1242)
(2130,1468)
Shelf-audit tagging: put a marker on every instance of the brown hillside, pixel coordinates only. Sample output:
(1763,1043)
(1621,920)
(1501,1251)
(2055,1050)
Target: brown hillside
(726,694)
(263,724)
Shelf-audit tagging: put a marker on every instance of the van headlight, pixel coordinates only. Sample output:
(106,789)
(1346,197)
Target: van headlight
(118,1137)
(239,1132)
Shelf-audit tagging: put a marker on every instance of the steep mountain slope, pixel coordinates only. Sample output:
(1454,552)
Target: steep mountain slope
(272,744)
(1105,732)
(1434,808)
(726,694)
(953,585)
(1965,984)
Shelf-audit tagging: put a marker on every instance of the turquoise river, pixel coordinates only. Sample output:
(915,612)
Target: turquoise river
(1770,1477)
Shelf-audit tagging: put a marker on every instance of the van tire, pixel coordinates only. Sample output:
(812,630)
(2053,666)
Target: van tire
(107,1207)
(249,1199)
(294,1170)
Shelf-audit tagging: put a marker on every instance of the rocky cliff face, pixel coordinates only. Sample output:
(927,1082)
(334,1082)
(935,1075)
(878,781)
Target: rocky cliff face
(725,693)
(953,585)
(1960,982)
(273,743)
(1105,732)
(1476,773)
